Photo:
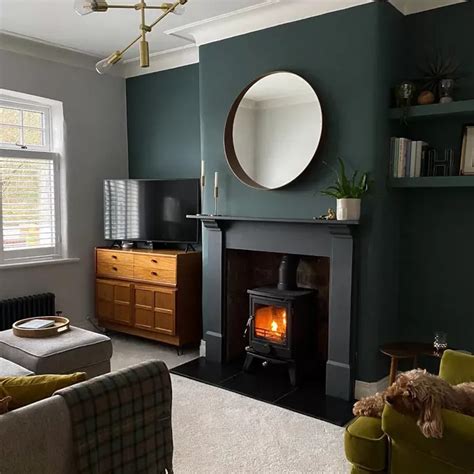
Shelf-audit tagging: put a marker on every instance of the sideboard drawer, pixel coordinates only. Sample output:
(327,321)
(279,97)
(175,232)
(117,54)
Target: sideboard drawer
(151,267)
(114,269)
(155,275)
(108,256)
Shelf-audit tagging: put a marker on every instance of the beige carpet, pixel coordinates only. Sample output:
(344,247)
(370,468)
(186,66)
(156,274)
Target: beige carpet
(217,431)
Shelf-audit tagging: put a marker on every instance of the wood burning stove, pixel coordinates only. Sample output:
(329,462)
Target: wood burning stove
(280,322)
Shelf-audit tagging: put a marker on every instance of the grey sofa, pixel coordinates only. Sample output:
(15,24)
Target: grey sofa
(38,438)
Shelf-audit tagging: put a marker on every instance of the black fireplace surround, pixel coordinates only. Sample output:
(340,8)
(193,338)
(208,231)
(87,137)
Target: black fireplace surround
(312,237)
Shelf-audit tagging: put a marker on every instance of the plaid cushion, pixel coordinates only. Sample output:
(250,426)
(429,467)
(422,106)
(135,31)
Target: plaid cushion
(121,421)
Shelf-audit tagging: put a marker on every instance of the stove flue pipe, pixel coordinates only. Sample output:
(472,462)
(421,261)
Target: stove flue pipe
(287,273)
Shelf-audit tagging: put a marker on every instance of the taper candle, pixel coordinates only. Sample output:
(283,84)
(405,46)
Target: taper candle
(202,168)
(216,179)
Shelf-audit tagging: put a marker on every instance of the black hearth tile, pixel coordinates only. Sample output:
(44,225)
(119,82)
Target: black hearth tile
(312,401)
(265,384)
(208,372)
(271,385)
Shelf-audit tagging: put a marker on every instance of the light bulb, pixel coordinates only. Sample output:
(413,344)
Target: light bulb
(179,10)
(103,66)
(84,7)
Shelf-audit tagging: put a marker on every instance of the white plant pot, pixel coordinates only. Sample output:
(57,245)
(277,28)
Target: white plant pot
(348,209)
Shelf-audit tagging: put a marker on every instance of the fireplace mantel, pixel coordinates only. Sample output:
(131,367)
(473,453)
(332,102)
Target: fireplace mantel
(210,218)
(312,237)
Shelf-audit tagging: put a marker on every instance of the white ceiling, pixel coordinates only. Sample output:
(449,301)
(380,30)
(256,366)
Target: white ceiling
(99,34)
(408,7)
(174,41)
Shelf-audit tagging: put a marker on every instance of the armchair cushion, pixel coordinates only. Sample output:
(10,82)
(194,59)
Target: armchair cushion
(366,444)
(457,367)
(455,449)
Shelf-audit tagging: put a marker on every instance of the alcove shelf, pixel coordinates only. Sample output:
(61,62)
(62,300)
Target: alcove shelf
(433,182)
(460,107)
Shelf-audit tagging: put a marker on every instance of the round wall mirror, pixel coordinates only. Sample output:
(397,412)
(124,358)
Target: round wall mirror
(273,130)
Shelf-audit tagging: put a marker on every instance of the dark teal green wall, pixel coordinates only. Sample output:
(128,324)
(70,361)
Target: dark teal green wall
(437,257)
(352,58)
(340,55)
(163,124)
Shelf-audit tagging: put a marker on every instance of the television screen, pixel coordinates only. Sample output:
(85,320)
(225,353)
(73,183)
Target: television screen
(136,209)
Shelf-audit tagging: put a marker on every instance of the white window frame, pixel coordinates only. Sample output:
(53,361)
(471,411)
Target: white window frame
(32,107)
(35,153)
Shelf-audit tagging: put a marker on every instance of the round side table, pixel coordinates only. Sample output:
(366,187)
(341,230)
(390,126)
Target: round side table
(407,350)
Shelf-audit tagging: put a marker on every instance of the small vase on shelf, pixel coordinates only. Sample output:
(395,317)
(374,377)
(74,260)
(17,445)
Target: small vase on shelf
(446,87)
(348,193)
(348,209)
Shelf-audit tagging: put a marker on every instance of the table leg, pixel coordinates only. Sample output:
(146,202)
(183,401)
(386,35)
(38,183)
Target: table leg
(393,369)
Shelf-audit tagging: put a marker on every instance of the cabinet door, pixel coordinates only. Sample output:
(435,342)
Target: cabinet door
(165,305)
(104,293)
(114,301)
(123,303)
(144,307)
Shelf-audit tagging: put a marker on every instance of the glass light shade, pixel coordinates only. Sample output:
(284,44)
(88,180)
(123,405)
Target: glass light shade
(179,10)
(84,7)
(103,66)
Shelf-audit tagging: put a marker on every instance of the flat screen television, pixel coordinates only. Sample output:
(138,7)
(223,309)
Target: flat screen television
(151,210)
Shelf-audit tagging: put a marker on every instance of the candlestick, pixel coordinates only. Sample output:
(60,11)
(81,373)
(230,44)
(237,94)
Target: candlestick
(216,196)
(216,191)
(203,174)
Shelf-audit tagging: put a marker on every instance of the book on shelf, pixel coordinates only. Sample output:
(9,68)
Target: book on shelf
(407,158)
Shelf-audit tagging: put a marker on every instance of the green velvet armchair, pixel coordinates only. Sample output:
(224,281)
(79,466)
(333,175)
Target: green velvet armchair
(395,444)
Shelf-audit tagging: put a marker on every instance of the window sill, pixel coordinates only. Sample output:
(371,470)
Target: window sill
(38,263)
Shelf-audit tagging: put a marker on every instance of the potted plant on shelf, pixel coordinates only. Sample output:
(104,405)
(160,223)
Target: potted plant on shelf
(348,193)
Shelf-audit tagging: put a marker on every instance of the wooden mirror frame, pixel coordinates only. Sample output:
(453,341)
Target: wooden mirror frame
(231,155)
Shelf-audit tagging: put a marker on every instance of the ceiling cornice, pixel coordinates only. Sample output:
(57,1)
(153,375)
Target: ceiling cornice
(264,15)
(410,7)
(44,50)
(267,14)
(161,61)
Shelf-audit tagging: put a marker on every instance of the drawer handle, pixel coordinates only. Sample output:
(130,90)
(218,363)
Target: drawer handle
(115,269)
(154,274)
(154,261)
(114,257)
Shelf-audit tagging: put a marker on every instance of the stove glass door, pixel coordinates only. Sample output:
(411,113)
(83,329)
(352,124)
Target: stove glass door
(270,323)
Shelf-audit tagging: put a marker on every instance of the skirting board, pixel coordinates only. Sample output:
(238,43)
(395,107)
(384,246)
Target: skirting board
(366,389)
(202,348)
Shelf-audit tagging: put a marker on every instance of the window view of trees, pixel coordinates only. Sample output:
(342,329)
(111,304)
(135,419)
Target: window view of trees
(28,204)
(21,127)
(29,207)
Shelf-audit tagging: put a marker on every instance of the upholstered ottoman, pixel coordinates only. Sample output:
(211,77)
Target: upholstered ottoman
(10,369)
(76,350)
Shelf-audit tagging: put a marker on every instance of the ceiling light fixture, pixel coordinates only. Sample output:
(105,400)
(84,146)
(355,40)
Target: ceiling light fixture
(84,7)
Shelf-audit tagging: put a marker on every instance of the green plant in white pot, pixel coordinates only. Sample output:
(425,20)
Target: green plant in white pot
(348,192)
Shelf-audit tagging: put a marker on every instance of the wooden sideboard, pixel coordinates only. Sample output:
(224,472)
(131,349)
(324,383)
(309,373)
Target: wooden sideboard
(154,294)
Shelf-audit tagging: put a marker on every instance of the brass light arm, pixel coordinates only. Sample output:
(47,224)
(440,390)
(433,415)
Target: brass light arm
(140,6)
(84,8)
(138,38)
(170,9)
(124,50)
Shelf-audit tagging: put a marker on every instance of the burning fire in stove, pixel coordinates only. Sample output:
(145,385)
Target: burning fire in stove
(270,323)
